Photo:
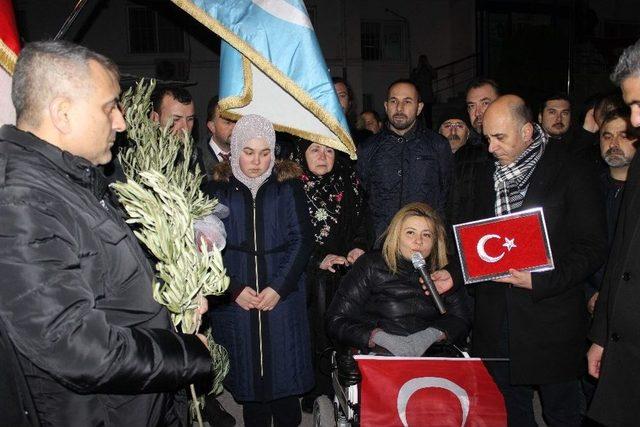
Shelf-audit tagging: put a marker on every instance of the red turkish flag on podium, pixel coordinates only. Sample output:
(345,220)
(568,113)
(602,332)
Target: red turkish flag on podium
(9,49)
(490,247)
(415,391)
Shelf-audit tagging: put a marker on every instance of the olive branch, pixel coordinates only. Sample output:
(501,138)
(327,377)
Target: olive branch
(162,199)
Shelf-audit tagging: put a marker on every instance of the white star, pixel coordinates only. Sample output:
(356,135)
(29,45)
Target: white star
(509,243)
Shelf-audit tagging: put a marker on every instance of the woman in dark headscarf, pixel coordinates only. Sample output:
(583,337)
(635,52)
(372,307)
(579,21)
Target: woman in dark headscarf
(333,202)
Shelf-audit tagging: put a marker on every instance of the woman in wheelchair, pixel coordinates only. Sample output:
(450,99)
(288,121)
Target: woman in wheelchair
(382,306)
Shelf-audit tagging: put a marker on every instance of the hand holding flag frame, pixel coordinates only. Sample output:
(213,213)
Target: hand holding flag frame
(488,248)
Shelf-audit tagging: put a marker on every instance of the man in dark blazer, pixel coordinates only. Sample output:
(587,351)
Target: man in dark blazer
(214,149)
(538,321)
(614,357)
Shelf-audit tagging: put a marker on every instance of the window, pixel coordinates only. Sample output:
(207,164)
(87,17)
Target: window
(150,31)
(384,41)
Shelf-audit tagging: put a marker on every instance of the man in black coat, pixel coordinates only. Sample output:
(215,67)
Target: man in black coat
(216,148)
(468,156)
(614,357)
(538,320)
(76,298)
(405,162)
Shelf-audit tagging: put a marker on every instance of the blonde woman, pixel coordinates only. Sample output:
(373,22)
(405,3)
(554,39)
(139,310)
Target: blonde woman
(382,306)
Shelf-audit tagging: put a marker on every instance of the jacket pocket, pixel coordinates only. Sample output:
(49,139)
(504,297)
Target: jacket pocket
(120,263)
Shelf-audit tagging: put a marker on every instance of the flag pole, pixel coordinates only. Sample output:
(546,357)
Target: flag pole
(70,19)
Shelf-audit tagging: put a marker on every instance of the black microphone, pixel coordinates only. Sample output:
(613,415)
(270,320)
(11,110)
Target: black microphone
(420,265)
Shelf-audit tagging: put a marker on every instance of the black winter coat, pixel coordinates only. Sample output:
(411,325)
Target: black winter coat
(76,296)
(547,326)
(395,170)
(462,197)
(617,318)
(371,297)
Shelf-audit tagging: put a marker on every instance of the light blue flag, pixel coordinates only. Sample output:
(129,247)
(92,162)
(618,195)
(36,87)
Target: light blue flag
(271,64)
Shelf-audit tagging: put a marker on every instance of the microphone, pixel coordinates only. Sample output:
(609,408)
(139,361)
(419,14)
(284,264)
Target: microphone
(420,265)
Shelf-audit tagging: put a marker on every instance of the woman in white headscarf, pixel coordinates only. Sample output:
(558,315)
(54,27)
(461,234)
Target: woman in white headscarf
(263,323)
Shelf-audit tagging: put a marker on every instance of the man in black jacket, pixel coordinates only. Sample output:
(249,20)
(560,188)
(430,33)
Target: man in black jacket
(216,148)
(538,321)
(405,162)
(614,357)
(75,286)
(467,158)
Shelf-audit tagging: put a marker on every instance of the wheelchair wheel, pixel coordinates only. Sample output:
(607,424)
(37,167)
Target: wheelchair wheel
(323,412)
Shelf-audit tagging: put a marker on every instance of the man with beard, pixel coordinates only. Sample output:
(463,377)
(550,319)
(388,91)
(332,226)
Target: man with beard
(614,357)
(405,162)
(466,158)
(618,140)
(481,92)
(555,117)
(217,148)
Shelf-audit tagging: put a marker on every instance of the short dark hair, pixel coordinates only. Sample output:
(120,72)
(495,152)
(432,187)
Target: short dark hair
(609,102)
(374,113)
(47,69)
(346,84)
(211,108)
(483,81)
(558,96)
(404,81)
(178,93)
(624,113)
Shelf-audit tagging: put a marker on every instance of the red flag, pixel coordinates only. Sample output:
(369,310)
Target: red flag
(403,391)
(9,49)
(490,247)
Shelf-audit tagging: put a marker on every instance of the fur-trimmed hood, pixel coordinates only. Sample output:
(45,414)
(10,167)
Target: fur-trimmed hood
(284,170)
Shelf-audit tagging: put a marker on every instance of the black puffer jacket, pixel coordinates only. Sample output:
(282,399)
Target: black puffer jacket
(395,170)
(370,297)
(76,297)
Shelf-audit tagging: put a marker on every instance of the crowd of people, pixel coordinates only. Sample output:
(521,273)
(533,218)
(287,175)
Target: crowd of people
(319,251)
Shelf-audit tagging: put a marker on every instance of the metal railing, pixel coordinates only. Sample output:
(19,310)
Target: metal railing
(453,77)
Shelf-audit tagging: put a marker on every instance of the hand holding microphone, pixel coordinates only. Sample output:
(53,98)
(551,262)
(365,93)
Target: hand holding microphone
(420,265)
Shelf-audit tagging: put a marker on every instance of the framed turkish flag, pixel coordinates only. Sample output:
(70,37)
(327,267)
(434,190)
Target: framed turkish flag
(488,248)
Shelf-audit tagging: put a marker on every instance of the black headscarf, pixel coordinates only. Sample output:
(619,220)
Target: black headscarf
(328,195)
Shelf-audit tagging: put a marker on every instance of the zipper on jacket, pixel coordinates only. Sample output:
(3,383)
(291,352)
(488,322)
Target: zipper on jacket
(255,251)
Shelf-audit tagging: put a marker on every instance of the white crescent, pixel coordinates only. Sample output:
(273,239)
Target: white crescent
(482,253)
(415,384)
(285,11)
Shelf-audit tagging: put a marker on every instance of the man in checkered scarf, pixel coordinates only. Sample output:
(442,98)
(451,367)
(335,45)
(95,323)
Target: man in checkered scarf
(537,322)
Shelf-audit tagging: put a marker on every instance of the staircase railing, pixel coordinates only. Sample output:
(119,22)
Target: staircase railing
(453,77)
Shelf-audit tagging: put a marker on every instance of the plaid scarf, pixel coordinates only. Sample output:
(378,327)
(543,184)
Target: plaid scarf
(512,181)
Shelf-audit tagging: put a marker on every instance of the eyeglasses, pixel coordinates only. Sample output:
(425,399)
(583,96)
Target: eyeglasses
(453,125)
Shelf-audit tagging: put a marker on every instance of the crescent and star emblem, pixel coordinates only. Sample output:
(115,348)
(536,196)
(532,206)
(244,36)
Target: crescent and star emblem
(411,386)
(482,253)
(285,11)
